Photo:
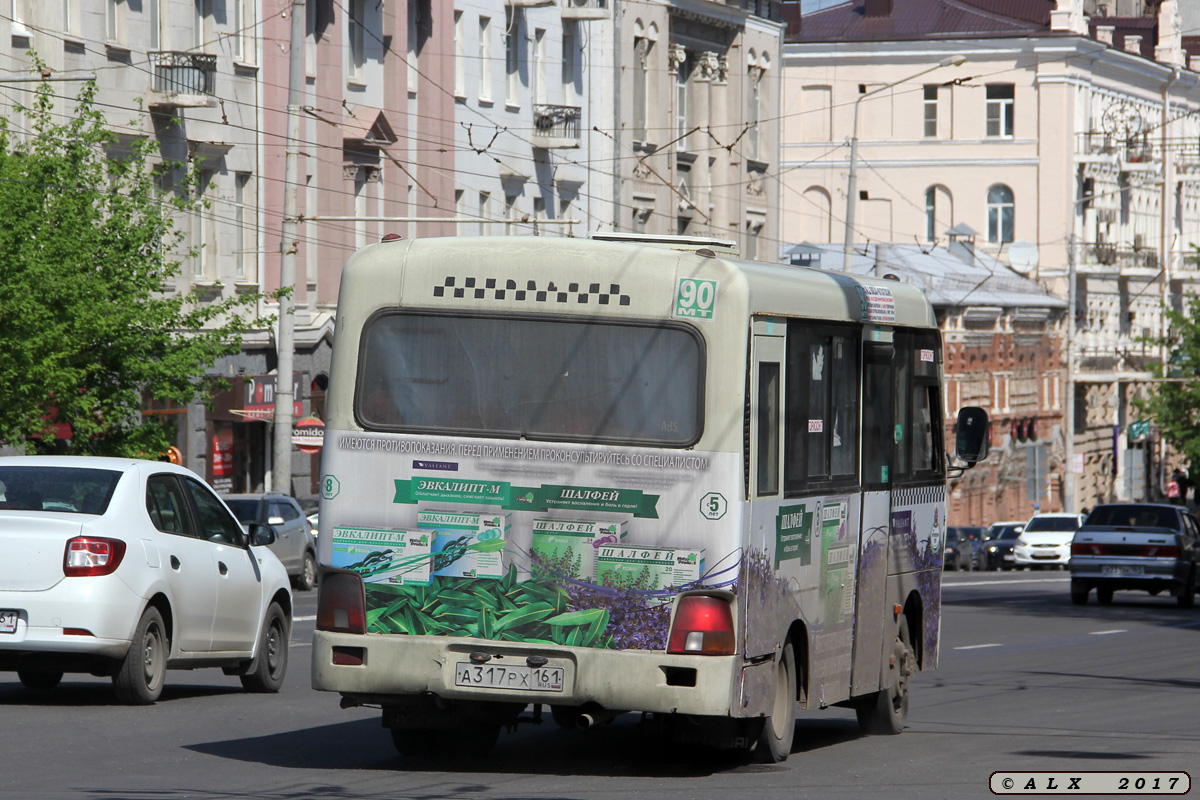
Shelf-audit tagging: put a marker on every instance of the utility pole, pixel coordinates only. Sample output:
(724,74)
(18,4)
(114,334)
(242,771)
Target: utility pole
(285,343)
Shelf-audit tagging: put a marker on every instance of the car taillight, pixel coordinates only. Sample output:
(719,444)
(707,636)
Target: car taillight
(88,556)
(341,606)
(1160,551)
(703,626)
(1086,549)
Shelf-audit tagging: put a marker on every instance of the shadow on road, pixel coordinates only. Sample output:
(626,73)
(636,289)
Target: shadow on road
(621,749)
(83,692)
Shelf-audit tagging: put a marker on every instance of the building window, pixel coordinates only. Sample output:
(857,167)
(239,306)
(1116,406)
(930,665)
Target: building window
(485,200)
(643,207)
(931,110)
(155,13)
(114,24)
(538,73)
(1000,214)
(754,228)
(641,87)
(356,30)
(512,56)
(511,215)
(243,34)
(460,212)
(200,25)
(570,50)
(460,56)
(242,233)
(360,208)
(485,59)
(203,239)
(1000,110)
(754,112)
(939,216)
(539,216)
(683,64)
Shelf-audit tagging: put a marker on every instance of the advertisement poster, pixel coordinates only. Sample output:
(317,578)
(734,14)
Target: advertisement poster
(552,543)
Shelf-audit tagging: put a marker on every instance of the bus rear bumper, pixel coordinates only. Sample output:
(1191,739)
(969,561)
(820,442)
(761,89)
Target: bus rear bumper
(397,666)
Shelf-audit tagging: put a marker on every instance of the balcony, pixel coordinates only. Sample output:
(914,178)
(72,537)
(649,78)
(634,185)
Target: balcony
(1124,258)
(585,9)
(183,80)
(556,127)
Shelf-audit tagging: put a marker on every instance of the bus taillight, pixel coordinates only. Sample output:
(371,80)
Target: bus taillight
(341,606)
(703,626)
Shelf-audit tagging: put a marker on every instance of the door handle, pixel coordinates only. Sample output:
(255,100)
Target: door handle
(221,566)
(174,562)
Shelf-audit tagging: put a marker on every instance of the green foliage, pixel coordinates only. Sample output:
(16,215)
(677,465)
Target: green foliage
(1174,404)
(86,250)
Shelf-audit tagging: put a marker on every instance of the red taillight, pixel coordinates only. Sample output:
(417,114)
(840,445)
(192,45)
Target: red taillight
(1160,551)
(90,555)
(1086,549)
(703,626)
(341,606)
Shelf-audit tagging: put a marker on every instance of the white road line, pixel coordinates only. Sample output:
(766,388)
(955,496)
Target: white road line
(304,619)
(977,646)
(1003,583)
(1105,633)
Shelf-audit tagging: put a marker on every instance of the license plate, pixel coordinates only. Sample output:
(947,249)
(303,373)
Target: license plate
(1123,571)
(517,678)
(8,621)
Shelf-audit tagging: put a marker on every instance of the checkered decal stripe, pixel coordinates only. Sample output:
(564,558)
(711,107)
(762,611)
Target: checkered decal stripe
(917,495)
(550,293)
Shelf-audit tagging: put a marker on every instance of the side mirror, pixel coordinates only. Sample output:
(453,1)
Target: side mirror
(971,439)
(261,535)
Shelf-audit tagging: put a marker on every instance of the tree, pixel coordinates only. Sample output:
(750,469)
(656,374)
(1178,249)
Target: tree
(1174,404)
(88,251)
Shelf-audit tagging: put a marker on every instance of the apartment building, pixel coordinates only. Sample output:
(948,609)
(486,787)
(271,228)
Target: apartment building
(1067,141)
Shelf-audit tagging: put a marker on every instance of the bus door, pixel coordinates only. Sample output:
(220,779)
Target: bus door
(878,442)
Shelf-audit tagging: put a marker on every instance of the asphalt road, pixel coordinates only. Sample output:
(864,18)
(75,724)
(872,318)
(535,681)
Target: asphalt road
(1027,681)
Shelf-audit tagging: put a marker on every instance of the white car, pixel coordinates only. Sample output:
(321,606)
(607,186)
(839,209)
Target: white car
(127,568)
(1046,540)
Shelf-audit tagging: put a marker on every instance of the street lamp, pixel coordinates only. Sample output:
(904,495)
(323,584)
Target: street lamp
(852,179)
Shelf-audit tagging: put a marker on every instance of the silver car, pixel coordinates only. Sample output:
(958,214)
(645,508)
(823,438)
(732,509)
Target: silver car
(295,544)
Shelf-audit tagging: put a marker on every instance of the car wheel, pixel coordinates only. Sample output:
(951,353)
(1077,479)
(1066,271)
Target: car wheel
(887,711)
(779,729)
(1187,597)
(39,681)
(139,678)
(1104,595)
(1079,593)
(270,663)
(307,578)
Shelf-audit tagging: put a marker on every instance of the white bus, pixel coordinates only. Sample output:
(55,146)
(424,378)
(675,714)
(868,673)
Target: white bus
(611,476)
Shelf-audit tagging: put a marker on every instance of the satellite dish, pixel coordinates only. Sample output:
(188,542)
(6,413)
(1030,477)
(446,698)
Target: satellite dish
(1023,256)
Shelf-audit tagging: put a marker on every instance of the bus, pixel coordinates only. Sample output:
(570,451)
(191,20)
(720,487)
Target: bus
(613,476)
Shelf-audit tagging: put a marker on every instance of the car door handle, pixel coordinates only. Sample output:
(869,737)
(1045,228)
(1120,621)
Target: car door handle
(174,562)
(221,566)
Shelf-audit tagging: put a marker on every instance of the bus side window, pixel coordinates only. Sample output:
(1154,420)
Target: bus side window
(768,428)
(878,426)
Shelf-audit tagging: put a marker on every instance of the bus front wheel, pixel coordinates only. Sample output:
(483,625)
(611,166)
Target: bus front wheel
(886,711)
(779,729)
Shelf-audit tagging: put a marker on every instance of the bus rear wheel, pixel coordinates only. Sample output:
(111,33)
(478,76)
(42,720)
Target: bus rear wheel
(779,729)
(886,712)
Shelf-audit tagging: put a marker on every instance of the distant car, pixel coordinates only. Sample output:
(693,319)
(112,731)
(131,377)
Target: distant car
(310,506)
(125,568)
(295,543)
(1141,546)
(998,544)
(1046,540)
(958,554)
(975,535)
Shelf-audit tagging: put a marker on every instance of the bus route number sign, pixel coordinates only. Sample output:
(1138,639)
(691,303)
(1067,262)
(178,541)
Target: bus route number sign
(695,298)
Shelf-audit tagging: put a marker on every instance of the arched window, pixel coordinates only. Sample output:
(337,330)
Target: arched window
(815,215)
(1000,214)
(939,212)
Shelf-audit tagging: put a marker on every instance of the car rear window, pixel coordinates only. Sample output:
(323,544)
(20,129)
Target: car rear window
(1052,524)
(69,490)
(1136,516)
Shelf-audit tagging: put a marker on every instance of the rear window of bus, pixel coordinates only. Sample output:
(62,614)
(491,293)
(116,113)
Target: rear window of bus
(539,378)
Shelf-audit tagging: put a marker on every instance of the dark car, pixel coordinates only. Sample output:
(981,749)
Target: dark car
(958,553)
(295,544)
(975,535)
(998,544)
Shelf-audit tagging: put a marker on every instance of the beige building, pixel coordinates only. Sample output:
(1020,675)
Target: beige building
(1067,141)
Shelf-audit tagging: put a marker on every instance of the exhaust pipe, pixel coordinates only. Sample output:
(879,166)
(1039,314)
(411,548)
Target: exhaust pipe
(595,715)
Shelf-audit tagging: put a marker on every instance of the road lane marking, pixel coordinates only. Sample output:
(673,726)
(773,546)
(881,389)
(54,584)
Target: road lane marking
(977,646)
(304,619)
(1105,633)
